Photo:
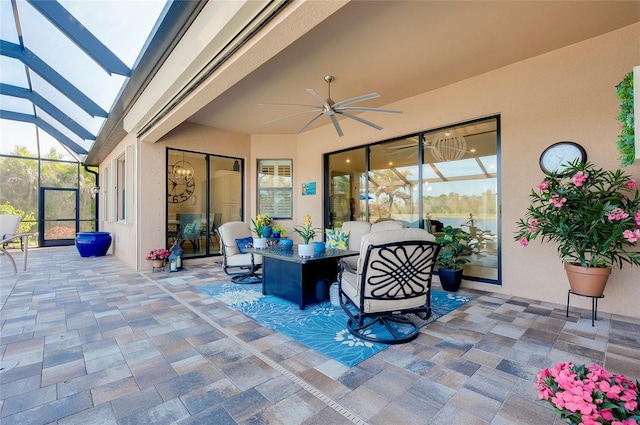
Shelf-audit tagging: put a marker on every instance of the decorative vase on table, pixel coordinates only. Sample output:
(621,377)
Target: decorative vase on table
(158,263)
(286,244)
(305,250)
(259,243)
(307,232)
(589,281)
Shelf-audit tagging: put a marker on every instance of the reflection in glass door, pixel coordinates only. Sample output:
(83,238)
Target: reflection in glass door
(347,187)
(203,192)
(225,196)
(394,182)
(59,216)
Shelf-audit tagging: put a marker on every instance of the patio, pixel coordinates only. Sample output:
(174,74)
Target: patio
(96,342)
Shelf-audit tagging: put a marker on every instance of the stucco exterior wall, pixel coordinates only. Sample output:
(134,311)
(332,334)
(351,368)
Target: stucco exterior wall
(123,234)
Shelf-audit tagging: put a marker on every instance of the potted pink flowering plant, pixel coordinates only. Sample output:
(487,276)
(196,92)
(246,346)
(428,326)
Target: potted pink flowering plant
(589,395)
(593,216)
(158,255)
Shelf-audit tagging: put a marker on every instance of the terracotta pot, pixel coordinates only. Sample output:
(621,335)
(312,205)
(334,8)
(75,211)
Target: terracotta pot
(158,263)
(589,281)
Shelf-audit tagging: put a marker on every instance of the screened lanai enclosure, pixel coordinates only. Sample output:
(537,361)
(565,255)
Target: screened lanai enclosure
(63,76)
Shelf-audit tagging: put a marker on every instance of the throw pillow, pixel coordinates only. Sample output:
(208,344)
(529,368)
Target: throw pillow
(242,244)
(337,238)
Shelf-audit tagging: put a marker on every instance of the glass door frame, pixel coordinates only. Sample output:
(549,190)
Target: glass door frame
(208,236)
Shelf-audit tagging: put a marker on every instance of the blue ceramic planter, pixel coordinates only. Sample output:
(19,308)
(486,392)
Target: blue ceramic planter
(93,244)
(286,244)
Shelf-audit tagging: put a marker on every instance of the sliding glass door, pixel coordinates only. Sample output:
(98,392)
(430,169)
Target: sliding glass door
(437,178)
(203,192)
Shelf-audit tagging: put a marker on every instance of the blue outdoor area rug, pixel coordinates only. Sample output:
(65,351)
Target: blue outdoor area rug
(320,326)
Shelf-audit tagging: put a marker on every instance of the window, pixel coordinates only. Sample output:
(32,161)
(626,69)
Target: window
(121,191)
(275,188)
(105,197)
(121,187)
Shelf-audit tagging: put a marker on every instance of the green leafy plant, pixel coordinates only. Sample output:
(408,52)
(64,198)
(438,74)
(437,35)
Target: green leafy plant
(592,214)
(626,138)
(260,224)
(27,220)
(306,231)
(456,246)
(277,229)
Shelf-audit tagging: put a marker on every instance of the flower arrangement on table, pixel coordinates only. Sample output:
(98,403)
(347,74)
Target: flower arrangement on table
(278,230)
(589,395)
(260,224)
(306,231)
(158,254)
(593,214)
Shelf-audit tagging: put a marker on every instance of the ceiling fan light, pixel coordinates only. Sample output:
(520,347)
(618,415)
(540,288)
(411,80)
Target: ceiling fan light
(449,146)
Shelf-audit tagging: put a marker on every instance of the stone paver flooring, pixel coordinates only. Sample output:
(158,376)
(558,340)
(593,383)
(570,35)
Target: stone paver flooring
(87,341)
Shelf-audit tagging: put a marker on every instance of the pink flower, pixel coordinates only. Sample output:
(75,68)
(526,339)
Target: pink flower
(524,242)
(579,178)
(544,185)
(617,214)
(606,414)
(638,218)
(632,184)
(533,226)
(631,236)
(557,201)
(589,395)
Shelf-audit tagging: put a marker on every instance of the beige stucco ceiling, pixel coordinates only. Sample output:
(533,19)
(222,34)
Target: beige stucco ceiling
(400,49)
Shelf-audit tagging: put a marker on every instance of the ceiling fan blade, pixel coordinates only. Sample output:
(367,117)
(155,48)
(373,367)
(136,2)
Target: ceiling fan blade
(362,120)
(356,99)
(288,104)
(364,109)
(320,98)
(304,127)
(293,115)
(336,125)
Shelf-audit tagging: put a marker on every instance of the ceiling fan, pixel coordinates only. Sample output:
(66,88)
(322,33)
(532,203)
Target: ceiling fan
(330,109)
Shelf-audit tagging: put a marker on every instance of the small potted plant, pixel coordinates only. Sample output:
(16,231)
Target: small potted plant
(456,246)
(262,229)
(277,231)
(158,256)
(307,232)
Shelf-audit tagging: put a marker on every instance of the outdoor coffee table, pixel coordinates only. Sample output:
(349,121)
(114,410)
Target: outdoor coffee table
(299,280)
